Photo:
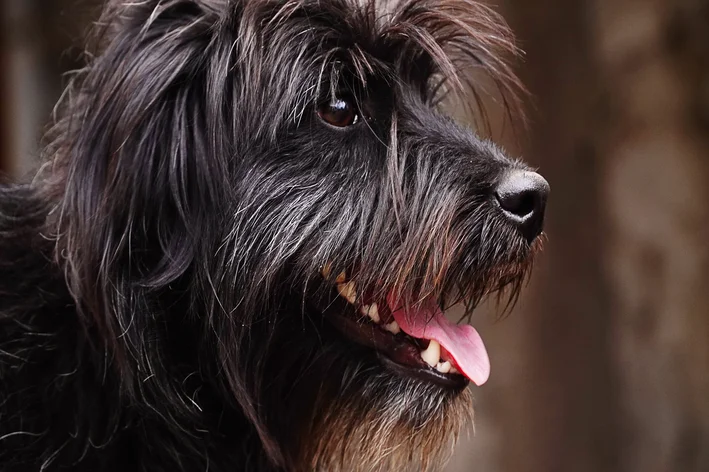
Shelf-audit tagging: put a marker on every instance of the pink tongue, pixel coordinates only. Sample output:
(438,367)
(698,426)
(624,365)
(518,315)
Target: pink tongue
(462,342)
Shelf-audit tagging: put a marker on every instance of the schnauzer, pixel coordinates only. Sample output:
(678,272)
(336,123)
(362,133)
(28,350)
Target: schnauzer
(252,217)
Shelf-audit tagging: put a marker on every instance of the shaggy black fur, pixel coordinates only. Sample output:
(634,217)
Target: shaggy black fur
(158,277)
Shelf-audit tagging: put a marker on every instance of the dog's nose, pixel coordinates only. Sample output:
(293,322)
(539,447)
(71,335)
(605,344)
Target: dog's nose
(522,196)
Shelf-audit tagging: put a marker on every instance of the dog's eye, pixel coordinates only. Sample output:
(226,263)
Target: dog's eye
(339,112)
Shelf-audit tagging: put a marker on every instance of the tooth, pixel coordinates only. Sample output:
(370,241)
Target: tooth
(393,327)
(372,311)
(444,367)
(453,370)
(326,269)
(432,353)
(348,291)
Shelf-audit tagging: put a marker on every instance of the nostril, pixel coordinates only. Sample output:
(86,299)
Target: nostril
(522,196)
(518,204)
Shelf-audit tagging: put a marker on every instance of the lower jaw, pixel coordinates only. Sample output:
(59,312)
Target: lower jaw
(401,358)
(424,374)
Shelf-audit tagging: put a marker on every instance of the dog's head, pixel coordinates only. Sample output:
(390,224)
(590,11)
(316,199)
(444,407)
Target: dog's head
(267,193)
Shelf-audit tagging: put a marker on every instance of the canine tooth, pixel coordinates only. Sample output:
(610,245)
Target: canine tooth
(444,367)
(372,311)
(348,291)
(432,353)
(393,327)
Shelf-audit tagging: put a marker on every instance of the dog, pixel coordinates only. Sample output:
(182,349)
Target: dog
(252,217)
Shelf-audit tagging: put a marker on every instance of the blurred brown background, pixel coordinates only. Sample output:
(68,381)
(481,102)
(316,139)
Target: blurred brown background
(604,364)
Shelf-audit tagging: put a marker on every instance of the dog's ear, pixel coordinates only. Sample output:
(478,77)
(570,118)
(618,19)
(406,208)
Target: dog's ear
(142,170)
(139,177)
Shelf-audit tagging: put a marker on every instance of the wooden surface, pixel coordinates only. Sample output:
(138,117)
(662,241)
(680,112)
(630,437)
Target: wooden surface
(40,41)
(605,364)
(5,143)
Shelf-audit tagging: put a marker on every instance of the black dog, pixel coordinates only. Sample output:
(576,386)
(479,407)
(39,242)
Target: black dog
(252,216)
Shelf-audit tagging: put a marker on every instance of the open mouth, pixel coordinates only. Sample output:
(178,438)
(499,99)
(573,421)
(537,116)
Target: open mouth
(415,340)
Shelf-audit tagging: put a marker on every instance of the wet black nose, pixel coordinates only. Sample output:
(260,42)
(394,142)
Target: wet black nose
(522,196)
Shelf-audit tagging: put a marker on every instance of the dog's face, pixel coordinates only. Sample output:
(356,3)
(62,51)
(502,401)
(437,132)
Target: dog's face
(281,173)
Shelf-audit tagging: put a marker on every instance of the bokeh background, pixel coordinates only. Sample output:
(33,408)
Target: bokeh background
(604,364)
